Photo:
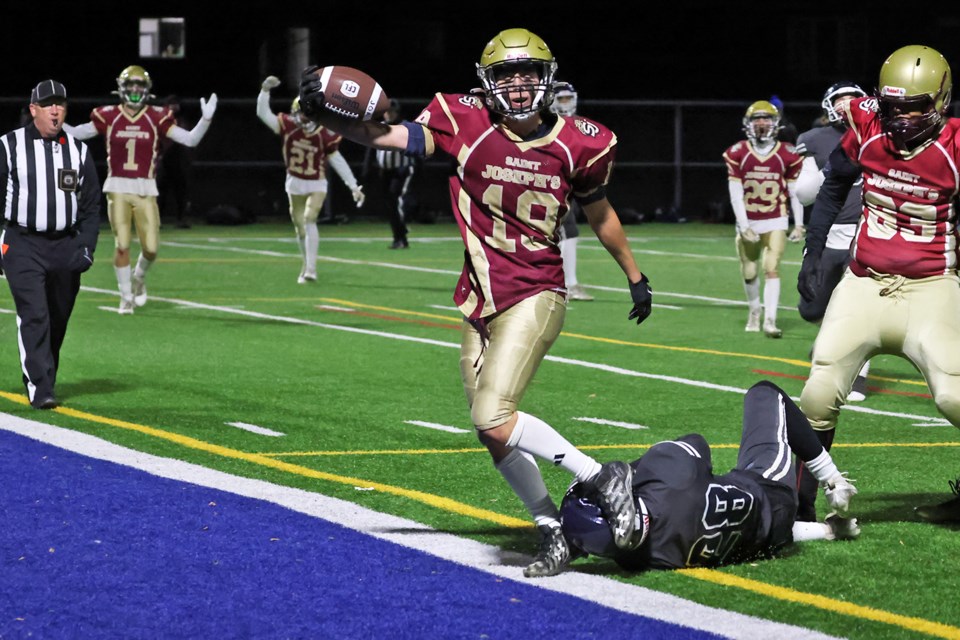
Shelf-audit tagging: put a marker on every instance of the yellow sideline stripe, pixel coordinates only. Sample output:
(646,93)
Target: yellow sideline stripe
(750,356)
(192,443)
(707,575)
(829,604)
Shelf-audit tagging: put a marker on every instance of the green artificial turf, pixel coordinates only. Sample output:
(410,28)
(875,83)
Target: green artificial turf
(343,367)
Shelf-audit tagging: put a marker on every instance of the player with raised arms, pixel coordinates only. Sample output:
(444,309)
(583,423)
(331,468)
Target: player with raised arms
(518,168)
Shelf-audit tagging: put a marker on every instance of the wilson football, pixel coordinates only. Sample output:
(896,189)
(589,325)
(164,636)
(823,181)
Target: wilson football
(352,93)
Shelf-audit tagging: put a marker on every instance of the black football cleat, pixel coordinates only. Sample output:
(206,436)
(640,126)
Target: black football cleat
(945,512)
(45,402)
(614,486)
(553,556)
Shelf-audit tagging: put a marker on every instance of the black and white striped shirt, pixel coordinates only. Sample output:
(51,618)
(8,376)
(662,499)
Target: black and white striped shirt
(393,159)
(49,185)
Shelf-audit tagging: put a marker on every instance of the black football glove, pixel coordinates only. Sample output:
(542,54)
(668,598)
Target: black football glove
(311,92)
(808,282)
(642,295)
(81,260)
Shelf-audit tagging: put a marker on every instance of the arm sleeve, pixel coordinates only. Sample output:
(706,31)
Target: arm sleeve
(189,138)
(84,131)
(88,211)
(795,205)
(339,164)
(735,187)
(839,175)
(803,531)
(266,115)
(808,184)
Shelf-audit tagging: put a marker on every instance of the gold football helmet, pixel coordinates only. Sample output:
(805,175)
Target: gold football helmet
(302,120)
(913,95)
(517,53)
(133,86)
(761,122)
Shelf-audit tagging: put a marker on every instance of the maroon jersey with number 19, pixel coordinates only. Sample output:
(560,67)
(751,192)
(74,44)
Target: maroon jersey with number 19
(908,226)
(509,197)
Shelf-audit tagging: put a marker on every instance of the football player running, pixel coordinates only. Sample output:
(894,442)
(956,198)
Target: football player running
(132,132)
(519,166)
(899,294)
(689,517)
(307,148)
(761,177)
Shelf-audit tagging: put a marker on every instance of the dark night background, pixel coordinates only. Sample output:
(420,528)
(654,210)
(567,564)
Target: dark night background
(724,55)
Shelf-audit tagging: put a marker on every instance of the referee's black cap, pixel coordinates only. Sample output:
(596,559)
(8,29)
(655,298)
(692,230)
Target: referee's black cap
(48,92)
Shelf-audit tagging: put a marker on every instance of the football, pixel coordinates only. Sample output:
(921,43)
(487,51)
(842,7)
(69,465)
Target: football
(352,93)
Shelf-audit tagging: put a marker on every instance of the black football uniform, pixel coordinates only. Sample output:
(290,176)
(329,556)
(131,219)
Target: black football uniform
(819,143)
(698,519)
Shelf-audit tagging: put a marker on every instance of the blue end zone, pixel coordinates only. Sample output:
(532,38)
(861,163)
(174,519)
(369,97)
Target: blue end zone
(93,549)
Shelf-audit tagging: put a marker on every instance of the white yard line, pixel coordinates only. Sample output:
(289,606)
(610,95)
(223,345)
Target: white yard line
(437,426)
(613,423)
(252,428)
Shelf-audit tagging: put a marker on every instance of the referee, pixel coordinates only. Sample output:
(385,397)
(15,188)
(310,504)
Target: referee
(397,172)
(51,210)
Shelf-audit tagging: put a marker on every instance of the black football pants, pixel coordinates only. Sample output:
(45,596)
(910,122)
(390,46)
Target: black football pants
(44,290)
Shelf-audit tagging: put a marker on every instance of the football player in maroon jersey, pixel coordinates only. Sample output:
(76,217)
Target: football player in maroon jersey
(132,131)
(307,148)
(761,177)
(899,294)
(519,166)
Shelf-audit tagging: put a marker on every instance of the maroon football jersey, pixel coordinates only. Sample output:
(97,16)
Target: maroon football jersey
(305,154)
(132,141)
(908,226)
(509,196)
(764,177)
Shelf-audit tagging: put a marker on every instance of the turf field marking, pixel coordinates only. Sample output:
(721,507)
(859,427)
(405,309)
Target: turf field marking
(501,564)
(580,363)
(828,604)
(910,394)
(437,426)
(613,423)
(252,428)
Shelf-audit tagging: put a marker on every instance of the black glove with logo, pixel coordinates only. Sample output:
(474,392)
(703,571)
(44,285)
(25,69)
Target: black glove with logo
(81,260)
(808,282)
(311,92)
(642,295)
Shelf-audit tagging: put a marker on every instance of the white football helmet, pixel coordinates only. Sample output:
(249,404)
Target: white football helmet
(836,91)
(564,99)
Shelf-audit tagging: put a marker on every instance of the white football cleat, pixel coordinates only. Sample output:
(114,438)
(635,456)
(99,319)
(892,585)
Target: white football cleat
(139,291)
(126,306)
(753,322)
(841,528)
(307,276)
(771,330)
(577,292)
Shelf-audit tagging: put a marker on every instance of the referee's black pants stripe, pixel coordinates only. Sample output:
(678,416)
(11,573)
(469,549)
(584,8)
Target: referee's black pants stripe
(44,291)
